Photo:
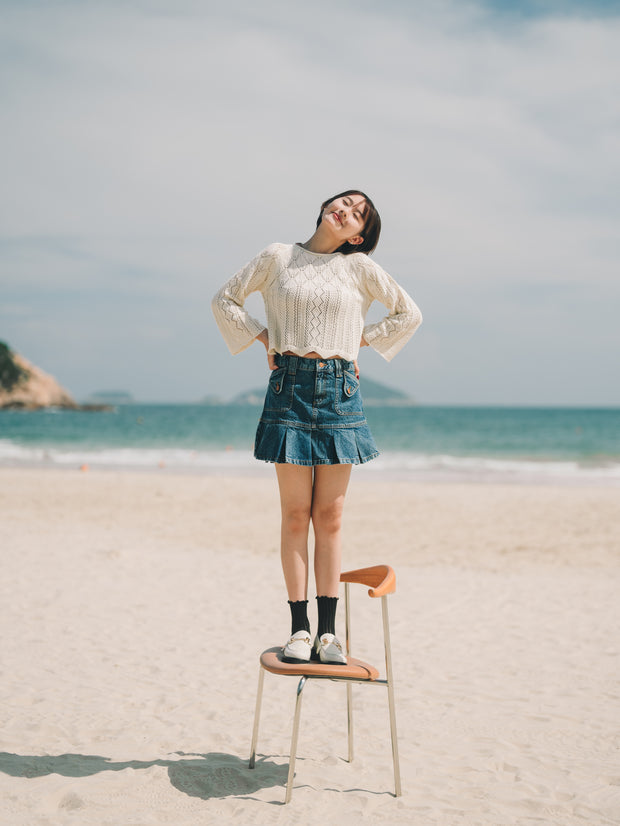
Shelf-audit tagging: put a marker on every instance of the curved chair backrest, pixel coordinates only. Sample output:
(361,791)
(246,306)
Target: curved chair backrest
(381,579)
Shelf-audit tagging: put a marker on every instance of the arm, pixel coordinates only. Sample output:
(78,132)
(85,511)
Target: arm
(389,335)
(263,337)
(236,325)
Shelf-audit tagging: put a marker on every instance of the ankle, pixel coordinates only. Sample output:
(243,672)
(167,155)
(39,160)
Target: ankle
(299,615)
(327,615)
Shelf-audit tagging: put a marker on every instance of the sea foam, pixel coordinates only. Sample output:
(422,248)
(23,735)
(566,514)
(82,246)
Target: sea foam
(401,464)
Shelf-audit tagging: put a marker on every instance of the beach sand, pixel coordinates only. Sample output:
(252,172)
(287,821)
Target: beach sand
(134,608)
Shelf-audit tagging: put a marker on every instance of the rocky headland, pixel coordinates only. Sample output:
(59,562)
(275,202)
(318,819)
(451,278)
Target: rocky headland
(26,387)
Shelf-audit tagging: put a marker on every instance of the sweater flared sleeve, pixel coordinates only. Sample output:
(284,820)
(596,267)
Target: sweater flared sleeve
(389,335)
(237,326)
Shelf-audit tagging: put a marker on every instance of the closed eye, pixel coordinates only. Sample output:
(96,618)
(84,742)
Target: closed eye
(348,201)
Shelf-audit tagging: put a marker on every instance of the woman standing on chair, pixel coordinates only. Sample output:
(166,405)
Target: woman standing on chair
(313,426)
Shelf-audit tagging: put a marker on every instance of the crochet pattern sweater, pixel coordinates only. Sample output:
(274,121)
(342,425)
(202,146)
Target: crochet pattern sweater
(315,302)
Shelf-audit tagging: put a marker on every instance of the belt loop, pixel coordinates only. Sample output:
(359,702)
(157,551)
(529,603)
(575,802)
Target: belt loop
(292,365)
(338,365)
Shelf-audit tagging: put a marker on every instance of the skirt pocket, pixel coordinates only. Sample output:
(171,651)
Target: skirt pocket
(280,389)
(348,399)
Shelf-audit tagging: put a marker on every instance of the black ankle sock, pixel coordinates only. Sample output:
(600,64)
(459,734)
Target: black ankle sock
(299,616)
(327,615)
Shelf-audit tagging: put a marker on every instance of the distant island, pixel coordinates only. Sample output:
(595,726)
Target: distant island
(374,394)
(26,387)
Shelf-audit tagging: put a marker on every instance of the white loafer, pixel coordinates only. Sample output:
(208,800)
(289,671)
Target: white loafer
(327,649)
(298,648)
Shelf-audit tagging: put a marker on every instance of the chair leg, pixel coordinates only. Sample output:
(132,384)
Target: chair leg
(347,617)
(397,786)
(390,688)
(259,698)
(294,738)
(350,719)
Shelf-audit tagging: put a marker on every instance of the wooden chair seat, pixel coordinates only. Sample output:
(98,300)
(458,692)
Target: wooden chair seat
(271,660)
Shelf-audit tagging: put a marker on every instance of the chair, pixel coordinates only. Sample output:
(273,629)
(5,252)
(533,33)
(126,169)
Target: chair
(381,581)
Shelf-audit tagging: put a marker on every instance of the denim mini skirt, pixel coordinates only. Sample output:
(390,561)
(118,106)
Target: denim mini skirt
(313,415)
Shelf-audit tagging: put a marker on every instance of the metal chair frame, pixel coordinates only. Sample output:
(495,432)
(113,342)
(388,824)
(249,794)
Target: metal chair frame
(383,582)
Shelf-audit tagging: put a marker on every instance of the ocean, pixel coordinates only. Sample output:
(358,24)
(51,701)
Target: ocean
(476,444)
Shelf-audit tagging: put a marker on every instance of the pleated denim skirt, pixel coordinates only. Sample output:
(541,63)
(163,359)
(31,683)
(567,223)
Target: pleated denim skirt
(313,415)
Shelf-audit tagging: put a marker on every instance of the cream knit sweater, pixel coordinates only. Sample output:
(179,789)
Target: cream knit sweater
(315,302)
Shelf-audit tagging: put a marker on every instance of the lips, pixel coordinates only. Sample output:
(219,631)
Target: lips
(337,217)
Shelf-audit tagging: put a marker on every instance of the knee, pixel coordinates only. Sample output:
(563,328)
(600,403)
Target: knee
(327,518)
(296,519)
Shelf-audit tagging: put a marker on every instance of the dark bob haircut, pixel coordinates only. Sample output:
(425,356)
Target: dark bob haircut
(372,224)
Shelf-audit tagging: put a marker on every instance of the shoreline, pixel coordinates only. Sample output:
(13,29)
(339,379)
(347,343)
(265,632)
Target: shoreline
(584,477)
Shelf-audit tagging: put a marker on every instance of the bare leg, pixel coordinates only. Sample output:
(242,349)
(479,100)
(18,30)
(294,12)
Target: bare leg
(295,483)
(330,487)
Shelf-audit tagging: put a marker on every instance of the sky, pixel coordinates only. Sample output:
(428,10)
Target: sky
(150,148)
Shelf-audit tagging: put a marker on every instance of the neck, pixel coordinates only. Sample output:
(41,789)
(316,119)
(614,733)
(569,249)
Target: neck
(321,242)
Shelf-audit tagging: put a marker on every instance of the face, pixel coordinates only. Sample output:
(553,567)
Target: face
(345,218)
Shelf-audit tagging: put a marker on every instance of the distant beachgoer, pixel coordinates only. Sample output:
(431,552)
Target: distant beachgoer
(313,426)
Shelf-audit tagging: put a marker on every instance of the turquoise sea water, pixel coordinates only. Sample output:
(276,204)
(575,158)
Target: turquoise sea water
(460,443)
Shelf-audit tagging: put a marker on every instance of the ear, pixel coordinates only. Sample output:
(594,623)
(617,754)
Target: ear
(357,239)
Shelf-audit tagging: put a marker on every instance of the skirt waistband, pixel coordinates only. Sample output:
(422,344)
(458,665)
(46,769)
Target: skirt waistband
(294,363)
